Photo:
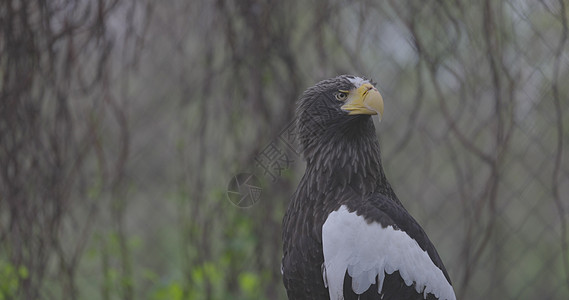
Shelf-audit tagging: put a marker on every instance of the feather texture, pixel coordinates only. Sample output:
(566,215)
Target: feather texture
(368,251)
(345,211)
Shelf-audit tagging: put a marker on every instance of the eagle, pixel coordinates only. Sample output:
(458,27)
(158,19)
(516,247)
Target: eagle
(345,233)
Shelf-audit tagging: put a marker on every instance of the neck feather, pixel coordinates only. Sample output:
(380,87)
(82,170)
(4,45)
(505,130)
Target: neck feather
(348,155)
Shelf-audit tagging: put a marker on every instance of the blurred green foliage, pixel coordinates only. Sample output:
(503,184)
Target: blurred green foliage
(10,277)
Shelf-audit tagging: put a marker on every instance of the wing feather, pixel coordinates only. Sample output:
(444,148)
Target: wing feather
(368,250)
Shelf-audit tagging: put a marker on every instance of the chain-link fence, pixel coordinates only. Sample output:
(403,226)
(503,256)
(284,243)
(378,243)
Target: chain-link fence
(146,148)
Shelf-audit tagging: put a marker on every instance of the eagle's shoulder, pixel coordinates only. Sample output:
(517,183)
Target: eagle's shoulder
(371,239)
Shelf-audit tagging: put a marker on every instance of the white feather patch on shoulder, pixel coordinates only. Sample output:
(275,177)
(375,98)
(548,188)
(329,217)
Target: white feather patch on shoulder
(368,250)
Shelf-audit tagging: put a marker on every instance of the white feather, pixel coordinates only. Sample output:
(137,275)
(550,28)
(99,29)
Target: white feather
(368,250)
(357,81)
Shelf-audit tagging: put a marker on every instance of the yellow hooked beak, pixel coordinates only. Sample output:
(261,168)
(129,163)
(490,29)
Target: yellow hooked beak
(365,100)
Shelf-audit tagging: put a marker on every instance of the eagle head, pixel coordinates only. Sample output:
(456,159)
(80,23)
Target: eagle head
(336,107)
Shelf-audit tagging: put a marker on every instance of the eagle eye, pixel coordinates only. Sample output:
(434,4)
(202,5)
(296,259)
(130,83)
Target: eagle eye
(341,95)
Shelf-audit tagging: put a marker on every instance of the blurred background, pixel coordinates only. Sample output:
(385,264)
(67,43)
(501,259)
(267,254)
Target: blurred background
(125,127)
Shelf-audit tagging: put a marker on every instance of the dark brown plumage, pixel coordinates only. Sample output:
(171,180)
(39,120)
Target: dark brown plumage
(343,169)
